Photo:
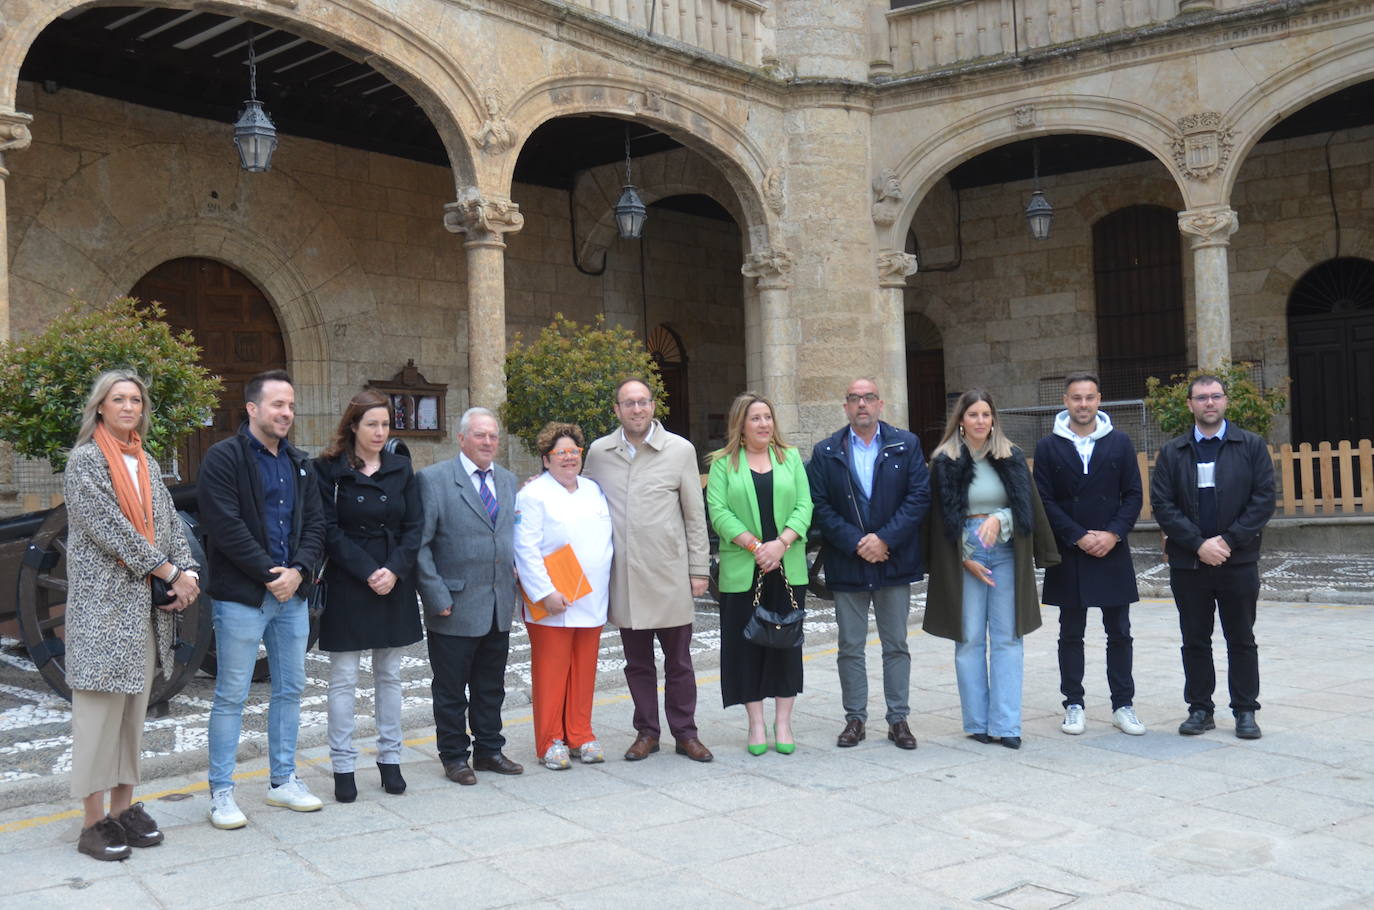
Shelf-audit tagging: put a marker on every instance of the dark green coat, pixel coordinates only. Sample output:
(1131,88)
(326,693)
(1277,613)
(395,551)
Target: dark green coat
(1032,541)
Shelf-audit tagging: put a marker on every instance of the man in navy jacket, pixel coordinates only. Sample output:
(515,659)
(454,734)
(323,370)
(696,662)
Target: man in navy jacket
(1088,480)
(1213,492)
(871,490)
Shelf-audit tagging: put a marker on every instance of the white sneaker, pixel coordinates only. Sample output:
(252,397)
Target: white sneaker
(1074,721)
(294,795)
(224,812)
(557,758)
(1124,719)
(591,753)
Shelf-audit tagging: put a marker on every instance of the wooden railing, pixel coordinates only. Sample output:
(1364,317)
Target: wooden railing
(1321,482)
(730,28)
(944,33)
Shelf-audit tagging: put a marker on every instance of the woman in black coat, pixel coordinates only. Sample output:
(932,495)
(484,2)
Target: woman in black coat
(373,517)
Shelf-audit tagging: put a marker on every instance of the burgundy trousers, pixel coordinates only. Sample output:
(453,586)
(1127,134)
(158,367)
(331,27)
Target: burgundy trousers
(679,679)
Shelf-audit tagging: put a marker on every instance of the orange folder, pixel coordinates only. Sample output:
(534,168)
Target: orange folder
(567,576)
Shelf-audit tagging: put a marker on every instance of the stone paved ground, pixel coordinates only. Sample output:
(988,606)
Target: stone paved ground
(1095,821)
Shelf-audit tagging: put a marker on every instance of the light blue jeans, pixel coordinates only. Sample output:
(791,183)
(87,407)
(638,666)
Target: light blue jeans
(989,661)
(343,693)
(285,629)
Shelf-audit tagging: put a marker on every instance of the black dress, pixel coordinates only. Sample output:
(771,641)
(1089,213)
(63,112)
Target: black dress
(748,672)
(374,523)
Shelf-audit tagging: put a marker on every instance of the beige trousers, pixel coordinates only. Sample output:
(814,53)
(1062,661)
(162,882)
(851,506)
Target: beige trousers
(107,732)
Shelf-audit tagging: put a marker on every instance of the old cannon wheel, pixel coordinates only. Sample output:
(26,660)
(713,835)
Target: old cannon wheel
(42,601)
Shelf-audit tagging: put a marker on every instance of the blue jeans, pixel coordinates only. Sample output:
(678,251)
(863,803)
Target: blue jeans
(285,629)
(989,661)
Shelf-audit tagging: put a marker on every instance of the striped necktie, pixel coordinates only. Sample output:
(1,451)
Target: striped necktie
(488,500)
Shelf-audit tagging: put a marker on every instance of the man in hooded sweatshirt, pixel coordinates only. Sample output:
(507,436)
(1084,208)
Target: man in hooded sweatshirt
(1088,479)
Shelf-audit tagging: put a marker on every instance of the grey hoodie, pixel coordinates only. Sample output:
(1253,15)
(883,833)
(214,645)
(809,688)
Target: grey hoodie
(1084,444)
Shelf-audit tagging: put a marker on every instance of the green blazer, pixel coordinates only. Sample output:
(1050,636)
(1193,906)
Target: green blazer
(735,509)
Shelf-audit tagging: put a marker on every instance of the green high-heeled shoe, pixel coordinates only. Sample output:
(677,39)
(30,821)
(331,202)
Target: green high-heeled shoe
(759,748)
(783,748)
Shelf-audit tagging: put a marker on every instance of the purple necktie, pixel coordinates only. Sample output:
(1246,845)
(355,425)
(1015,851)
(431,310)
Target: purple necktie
(488,500)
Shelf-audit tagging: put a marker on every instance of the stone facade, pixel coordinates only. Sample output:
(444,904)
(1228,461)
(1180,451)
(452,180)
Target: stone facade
(825,130)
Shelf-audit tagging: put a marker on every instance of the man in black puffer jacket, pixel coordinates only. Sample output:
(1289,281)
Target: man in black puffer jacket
(870,490)
(1213,492)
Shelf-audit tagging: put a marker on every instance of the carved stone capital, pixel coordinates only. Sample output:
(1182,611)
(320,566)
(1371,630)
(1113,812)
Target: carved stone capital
(1209,226)
(14,135)
(893,268)
(771,268)
(1203,145)
(483,220)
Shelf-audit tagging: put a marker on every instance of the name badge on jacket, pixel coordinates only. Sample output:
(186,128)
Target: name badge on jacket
(1207,475)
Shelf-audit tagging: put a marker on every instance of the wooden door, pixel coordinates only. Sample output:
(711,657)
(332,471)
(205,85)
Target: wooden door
(925,389)
(1331,351)
(236,329)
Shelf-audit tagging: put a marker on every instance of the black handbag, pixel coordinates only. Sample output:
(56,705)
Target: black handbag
(319,590)
(775,627)
(162,592)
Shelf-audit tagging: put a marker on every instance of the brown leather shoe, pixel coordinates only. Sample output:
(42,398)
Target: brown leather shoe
(460,773)
(694,749)
(643,746)
(901,734)
(852,735)
(498,763)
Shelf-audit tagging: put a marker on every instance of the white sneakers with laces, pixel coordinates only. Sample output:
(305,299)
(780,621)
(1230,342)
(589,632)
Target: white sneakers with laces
(224,812)
(294,795)
(1074,721)
(1124,719)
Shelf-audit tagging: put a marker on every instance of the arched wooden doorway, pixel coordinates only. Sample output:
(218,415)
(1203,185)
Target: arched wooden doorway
(665,346)
(238,333)
(1331,351)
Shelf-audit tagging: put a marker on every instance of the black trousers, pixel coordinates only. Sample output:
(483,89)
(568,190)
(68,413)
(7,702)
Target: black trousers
(1231,593)
(469,686)
(1116,622)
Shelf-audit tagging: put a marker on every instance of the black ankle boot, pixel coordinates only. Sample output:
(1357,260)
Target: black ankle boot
(392,781)
(345,790)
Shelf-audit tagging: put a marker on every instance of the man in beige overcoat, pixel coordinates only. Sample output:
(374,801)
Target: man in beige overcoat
(652,481)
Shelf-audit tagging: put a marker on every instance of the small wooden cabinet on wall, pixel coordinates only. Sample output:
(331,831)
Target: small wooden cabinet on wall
(418,406)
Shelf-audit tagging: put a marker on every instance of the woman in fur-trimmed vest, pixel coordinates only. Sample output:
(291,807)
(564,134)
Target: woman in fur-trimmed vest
(985,534)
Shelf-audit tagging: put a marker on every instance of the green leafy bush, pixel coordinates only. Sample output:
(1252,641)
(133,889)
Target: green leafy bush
(1247,406)
(44,379)
(569,373)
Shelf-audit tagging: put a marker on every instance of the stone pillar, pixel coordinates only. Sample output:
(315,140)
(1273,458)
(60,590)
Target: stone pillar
(14,135)
(485,222)
(893,269)
(778,333)
(1210,228)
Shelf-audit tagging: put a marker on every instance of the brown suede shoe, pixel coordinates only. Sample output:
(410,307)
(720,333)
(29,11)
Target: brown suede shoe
(901,734)
(694,749)
(498,763)
(139,828)
(852,735)
(643,746)
(460,773)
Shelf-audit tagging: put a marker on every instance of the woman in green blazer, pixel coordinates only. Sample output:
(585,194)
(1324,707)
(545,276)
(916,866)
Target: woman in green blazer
(760,503)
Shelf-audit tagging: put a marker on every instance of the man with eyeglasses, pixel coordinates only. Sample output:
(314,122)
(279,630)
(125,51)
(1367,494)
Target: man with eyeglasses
(652,481)
(871,490)
(1213,492)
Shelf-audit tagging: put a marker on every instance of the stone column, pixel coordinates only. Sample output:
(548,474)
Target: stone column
(14,135)
(485,222)
(1210,228)
(778,333)
(893,269)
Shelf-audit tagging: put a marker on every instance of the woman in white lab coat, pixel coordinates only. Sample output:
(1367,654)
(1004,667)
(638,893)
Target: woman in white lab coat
(557,508)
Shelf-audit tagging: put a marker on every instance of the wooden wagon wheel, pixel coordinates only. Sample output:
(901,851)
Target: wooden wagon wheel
(42,602)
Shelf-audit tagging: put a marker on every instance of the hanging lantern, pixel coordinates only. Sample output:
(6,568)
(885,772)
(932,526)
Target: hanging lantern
(255,135)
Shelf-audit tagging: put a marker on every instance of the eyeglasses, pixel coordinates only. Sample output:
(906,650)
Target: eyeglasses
(567,453)
(1215,396)
(870,398)
(638,403)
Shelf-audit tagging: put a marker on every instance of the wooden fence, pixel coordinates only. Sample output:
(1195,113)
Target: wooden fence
(1328,480)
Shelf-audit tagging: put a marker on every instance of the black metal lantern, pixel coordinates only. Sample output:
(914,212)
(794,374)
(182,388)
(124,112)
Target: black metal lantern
(255,135)
(1039,214)
(630,212)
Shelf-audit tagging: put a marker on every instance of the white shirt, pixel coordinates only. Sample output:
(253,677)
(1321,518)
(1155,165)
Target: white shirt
(131,462)
(631,447)
(471,468)
(548,516)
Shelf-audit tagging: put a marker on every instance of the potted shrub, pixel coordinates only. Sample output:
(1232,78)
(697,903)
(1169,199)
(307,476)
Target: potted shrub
(1247,405)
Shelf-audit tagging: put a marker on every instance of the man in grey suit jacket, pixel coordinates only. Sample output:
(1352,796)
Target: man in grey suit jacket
(466,576)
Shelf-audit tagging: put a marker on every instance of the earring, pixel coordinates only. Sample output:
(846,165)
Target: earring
(961,431)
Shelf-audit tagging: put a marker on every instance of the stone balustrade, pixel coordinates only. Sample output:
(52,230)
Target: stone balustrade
(943,33)
(734,29)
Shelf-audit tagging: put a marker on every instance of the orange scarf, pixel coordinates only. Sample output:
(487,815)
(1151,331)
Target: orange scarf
(136,504)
